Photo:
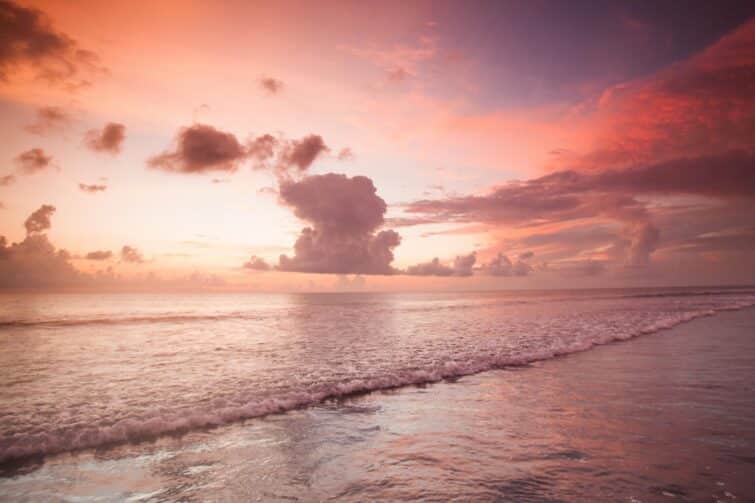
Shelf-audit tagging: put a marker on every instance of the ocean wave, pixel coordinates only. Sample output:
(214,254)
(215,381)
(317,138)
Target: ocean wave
(16,447)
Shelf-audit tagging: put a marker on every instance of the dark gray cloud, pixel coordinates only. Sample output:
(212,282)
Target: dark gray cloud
(199,149)
(109,139)
(345,213)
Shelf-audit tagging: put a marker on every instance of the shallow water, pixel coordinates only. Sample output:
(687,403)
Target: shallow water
(79,375)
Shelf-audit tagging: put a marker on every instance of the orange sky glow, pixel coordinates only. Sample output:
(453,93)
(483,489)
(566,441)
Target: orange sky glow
(185,145)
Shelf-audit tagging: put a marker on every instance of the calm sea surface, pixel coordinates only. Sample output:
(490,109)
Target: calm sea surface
(140,379)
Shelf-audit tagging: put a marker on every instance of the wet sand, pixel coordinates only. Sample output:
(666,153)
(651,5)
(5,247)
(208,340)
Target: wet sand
(663,417)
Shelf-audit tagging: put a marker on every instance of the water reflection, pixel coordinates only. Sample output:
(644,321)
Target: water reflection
(662,416)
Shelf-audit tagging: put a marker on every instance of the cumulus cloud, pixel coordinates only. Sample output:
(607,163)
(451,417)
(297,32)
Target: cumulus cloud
(108,139)
(7,180)
(461,266)
(131,255)
(33,263)
(33,160)
(256,263)
(39,220)
(92,189)
(48,119)
(345,213)
(99,255)
(501,265)
(27,40)
(572,196)
(201,148)
(271,85)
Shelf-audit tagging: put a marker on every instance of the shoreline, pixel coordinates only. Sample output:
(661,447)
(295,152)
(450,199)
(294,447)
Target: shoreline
(660,418)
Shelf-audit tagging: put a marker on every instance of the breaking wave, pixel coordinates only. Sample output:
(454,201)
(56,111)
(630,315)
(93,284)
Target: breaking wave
(237,406)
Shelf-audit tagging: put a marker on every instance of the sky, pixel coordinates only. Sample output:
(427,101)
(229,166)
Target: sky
(326,146)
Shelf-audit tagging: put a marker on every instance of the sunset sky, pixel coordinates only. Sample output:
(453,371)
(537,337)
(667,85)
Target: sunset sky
(306,146)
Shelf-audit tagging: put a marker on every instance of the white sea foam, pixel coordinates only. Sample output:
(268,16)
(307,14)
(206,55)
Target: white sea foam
(89,385)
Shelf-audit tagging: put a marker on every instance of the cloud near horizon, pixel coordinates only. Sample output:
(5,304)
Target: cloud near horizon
(131,255)
(345,214)
(570,197)
(501,265)
(462,266)
(35,263)
(256,263)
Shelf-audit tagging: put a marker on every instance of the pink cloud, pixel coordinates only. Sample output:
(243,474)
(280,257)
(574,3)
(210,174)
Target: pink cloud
(345,214)
(33,160)
(108,140)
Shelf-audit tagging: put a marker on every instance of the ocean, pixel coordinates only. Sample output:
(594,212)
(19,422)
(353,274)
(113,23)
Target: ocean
(98,389)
